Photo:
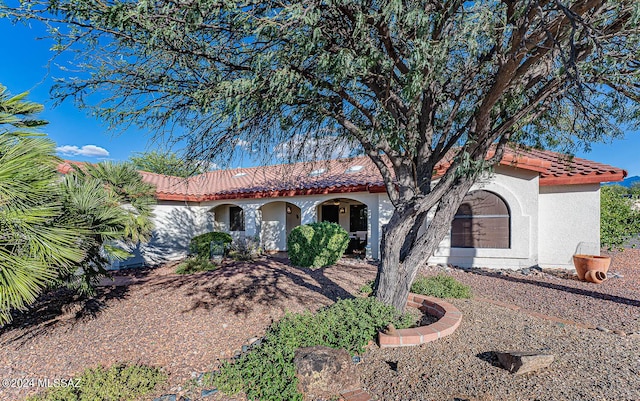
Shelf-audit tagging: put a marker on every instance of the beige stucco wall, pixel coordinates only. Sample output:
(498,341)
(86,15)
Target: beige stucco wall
(569,223)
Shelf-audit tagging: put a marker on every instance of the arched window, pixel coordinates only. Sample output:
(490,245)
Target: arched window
(482,221)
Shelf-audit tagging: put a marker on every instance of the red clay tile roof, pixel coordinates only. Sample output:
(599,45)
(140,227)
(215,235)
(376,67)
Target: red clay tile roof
(352,175)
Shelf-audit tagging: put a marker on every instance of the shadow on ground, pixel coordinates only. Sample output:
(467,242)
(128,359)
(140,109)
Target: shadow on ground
(560,287)
(64,307)
(239,286)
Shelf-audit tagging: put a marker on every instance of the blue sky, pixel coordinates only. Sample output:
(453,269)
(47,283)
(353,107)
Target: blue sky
(80,136)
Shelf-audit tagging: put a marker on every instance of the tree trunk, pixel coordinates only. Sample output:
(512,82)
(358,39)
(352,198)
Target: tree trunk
(398,267)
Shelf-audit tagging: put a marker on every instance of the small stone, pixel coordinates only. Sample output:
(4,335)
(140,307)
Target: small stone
(166,397)
(207,393)
(254,340)
(603,329)
(619,332)
(520,362)
(245,348)
(525,271)
(224,325)
(356,359)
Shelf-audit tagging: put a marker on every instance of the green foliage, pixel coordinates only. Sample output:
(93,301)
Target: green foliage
(619,222)
(33,249)
(367,288)
(441,286)
(267,372)
(200,244)
(112,203)
(118,383)
(245,248)
(195,264)
(167,163)
(317,244)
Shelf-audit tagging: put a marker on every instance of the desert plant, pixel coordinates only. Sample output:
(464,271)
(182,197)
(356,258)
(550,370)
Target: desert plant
(619,221)
(367,288)
(245,248)
(118,383)
(114,205)
(200,244)
(317,244)
(441,286)
(33,249)
(267,372)
(195,264)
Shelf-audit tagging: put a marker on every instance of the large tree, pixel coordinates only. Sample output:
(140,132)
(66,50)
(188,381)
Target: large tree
(414,83)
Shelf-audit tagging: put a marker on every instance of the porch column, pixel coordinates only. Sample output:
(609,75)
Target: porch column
(252,220)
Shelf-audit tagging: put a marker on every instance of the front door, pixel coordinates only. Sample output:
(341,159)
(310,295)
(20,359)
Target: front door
(331,213)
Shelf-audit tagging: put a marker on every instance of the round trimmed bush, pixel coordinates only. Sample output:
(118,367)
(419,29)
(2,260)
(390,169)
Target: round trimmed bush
(200,243)
(317,244)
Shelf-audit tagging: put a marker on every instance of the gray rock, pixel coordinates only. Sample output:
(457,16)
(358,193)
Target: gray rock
(207,393)
(603,329)
(324,372)
(520,362)
(166,397)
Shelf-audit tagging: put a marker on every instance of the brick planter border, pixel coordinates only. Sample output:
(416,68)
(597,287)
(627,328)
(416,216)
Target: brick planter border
(450,318)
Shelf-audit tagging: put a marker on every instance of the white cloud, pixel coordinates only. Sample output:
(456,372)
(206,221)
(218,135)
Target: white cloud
(86,150)
(244,145)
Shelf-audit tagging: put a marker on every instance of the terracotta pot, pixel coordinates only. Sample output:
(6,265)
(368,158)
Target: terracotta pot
(585,263)
(595,276)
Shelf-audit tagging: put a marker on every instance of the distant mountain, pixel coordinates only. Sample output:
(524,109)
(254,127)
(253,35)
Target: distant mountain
(627,182)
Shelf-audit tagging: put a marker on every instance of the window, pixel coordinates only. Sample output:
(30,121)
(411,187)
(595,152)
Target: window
(482,221)
(236,218)
(357,218)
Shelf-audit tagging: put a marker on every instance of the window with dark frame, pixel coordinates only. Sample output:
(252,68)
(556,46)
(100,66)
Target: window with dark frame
(236,218)
(482,221)
(357,218)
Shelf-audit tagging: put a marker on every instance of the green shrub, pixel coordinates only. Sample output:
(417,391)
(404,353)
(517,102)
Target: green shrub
(619,221)
(317,245)
(367,288)
(119,383)
(267,372)
(200,244)
(245,248)
(440,286)
(194,264)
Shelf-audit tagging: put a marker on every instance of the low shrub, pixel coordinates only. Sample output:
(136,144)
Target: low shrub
(194,264)
(317,245)
(367,288)
(118,383)
(440,286)
(245,248)
(267,372)
(200,244)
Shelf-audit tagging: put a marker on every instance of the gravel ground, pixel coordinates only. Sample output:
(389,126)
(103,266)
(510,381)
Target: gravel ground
(588,365)
(187,323)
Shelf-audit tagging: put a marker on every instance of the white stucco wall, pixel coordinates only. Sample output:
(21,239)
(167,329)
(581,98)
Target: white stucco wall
(569,223)
(175,224)
(273,227)
(548,224)
(519,189)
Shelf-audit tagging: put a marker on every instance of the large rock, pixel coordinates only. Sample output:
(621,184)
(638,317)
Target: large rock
(520,362)
(323,372)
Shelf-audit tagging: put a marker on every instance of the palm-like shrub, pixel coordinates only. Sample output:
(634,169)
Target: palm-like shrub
(317,244)
(112,203)
(32,248)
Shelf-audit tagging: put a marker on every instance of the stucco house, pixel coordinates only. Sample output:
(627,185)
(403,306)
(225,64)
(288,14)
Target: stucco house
(536,208)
